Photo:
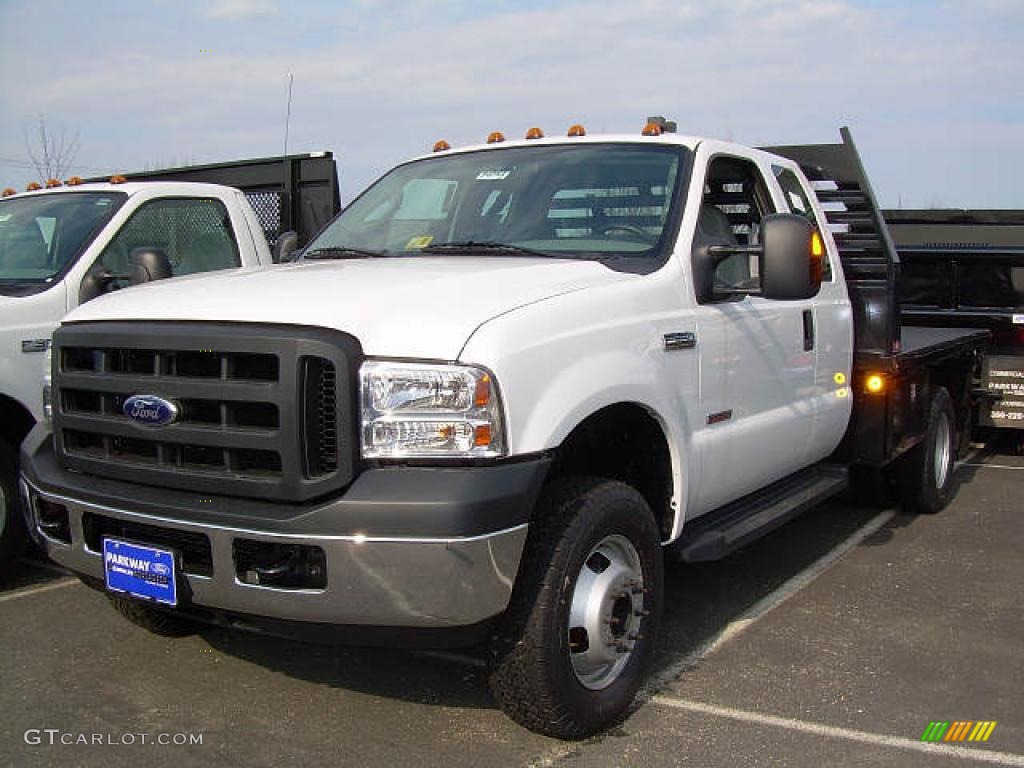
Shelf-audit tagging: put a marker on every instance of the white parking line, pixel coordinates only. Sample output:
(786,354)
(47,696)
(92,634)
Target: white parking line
(29,591)
(772,600)
(831,731)
(992,466)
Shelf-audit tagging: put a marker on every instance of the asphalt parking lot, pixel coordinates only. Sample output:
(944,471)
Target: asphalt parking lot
(834,641)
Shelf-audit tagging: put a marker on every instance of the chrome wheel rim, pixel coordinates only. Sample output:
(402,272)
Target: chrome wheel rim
(943,449)
(606,611)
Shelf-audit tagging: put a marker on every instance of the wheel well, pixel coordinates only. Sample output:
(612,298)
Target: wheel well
(16,422)
(623,442)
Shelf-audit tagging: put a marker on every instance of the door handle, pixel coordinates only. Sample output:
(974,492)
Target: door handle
(808,330)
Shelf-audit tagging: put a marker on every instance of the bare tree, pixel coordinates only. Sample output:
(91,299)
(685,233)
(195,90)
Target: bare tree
(51,150)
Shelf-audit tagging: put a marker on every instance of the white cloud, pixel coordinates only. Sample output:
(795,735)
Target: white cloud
(239,9)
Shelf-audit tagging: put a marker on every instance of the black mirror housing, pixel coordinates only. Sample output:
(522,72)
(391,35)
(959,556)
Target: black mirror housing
(285,246)
(148,264)
(791,262)
(94,283)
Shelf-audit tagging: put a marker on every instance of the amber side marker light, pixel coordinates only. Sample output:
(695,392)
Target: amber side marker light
(495,137)
(535,133)
(576,131)
(441,146)
(874,384)
(652,129)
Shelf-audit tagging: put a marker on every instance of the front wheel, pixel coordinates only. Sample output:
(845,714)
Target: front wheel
(13,536)
(926,472)
(581,626)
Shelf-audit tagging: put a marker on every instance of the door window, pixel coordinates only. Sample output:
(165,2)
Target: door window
(800,203)
(736,199)
(195,233)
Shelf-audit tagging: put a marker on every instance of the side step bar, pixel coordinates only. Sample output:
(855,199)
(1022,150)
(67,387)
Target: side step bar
(724,530)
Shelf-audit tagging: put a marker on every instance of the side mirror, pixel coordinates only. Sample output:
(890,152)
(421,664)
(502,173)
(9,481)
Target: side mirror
(149,264)
(791,261)
(94,283)
(285,246)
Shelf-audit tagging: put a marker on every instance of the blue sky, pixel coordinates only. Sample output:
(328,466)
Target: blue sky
(934,91)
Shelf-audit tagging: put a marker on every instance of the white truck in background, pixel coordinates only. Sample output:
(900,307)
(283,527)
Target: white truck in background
(492,396)
(69,243)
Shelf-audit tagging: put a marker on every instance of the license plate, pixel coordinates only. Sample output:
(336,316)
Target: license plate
(140,571)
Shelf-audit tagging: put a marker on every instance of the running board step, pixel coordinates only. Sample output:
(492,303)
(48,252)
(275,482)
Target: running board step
(718,533)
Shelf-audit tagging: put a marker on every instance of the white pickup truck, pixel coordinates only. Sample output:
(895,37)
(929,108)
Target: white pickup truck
(67,244)
(490,398)
(62,247)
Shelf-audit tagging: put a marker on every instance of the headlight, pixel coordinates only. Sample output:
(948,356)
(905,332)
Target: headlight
(425,410)
(47,388)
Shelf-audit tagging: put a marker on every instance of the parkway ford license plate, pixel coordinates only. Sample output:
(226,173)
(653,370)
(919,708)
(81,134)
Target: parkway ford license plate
(140,571)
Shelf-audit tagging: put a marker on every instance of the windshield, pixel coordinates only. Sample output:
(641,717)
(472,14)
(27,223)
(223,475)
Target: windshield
(577,201)
(42,234)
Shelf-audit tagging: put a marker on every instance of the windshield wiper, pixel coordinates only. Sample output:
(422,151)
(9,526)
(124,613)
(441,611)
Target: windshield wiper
(486,246)
(341,252)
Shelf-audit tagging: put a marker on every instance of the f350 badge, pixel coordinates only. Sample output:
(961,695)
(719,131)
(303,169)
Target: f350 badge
(151,410)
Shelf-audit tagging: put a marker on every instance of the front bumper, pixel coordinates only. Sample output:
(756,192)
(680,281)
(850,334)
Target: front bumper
(410,547)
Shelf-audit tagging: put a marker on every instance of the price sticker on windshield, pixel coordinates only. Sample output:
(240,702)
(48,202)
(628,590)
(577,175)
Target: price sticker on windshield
(418,243)
(493,174)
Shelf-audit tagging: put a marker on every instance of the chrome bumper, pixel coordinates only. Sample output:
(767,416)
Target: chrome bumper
(371,581)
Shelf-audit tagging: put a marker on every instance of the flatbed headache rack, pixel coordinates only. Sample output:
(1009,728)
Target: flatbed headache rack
(289,192)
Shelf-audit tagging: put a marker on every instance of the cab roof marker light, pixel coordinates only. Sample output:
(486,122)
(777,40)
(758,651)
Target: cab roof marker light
(118,179)
(535,133)
(74,181)
(652,129)
(52,183)
(495,137)
(576,131)
(33,186)
(8,192)
(441,145)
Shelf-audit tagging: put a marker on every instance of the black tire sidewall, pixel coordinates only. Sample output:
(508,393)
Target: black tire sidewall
(607,509)
(13,537)
(926,495)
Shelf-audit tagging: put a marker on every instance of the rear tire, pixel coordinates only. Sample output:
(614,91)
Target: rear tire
(13,536)
(153,620)
(926,472)
(580,629)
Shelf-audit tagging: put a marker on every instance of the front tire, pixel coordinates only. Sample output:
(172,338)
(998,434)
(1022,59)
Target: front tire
(581,625)
(926,472)
(13,536)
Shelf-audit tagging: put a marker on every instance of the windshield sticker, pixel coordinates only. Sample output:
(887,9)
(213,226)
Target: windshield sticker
(1018,319)
(493,174)
(417,243)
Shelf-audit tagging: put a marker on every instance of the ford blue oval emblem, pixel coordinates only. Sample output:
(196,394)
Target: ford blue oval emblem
(150,410)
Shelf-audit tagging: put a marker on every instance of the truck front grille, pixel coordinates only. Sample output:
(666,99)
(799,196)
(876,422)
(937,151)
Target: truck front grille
(262,411)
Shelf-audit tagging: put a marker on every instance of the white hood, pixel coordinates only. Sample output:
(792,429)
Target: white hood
(404,307)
